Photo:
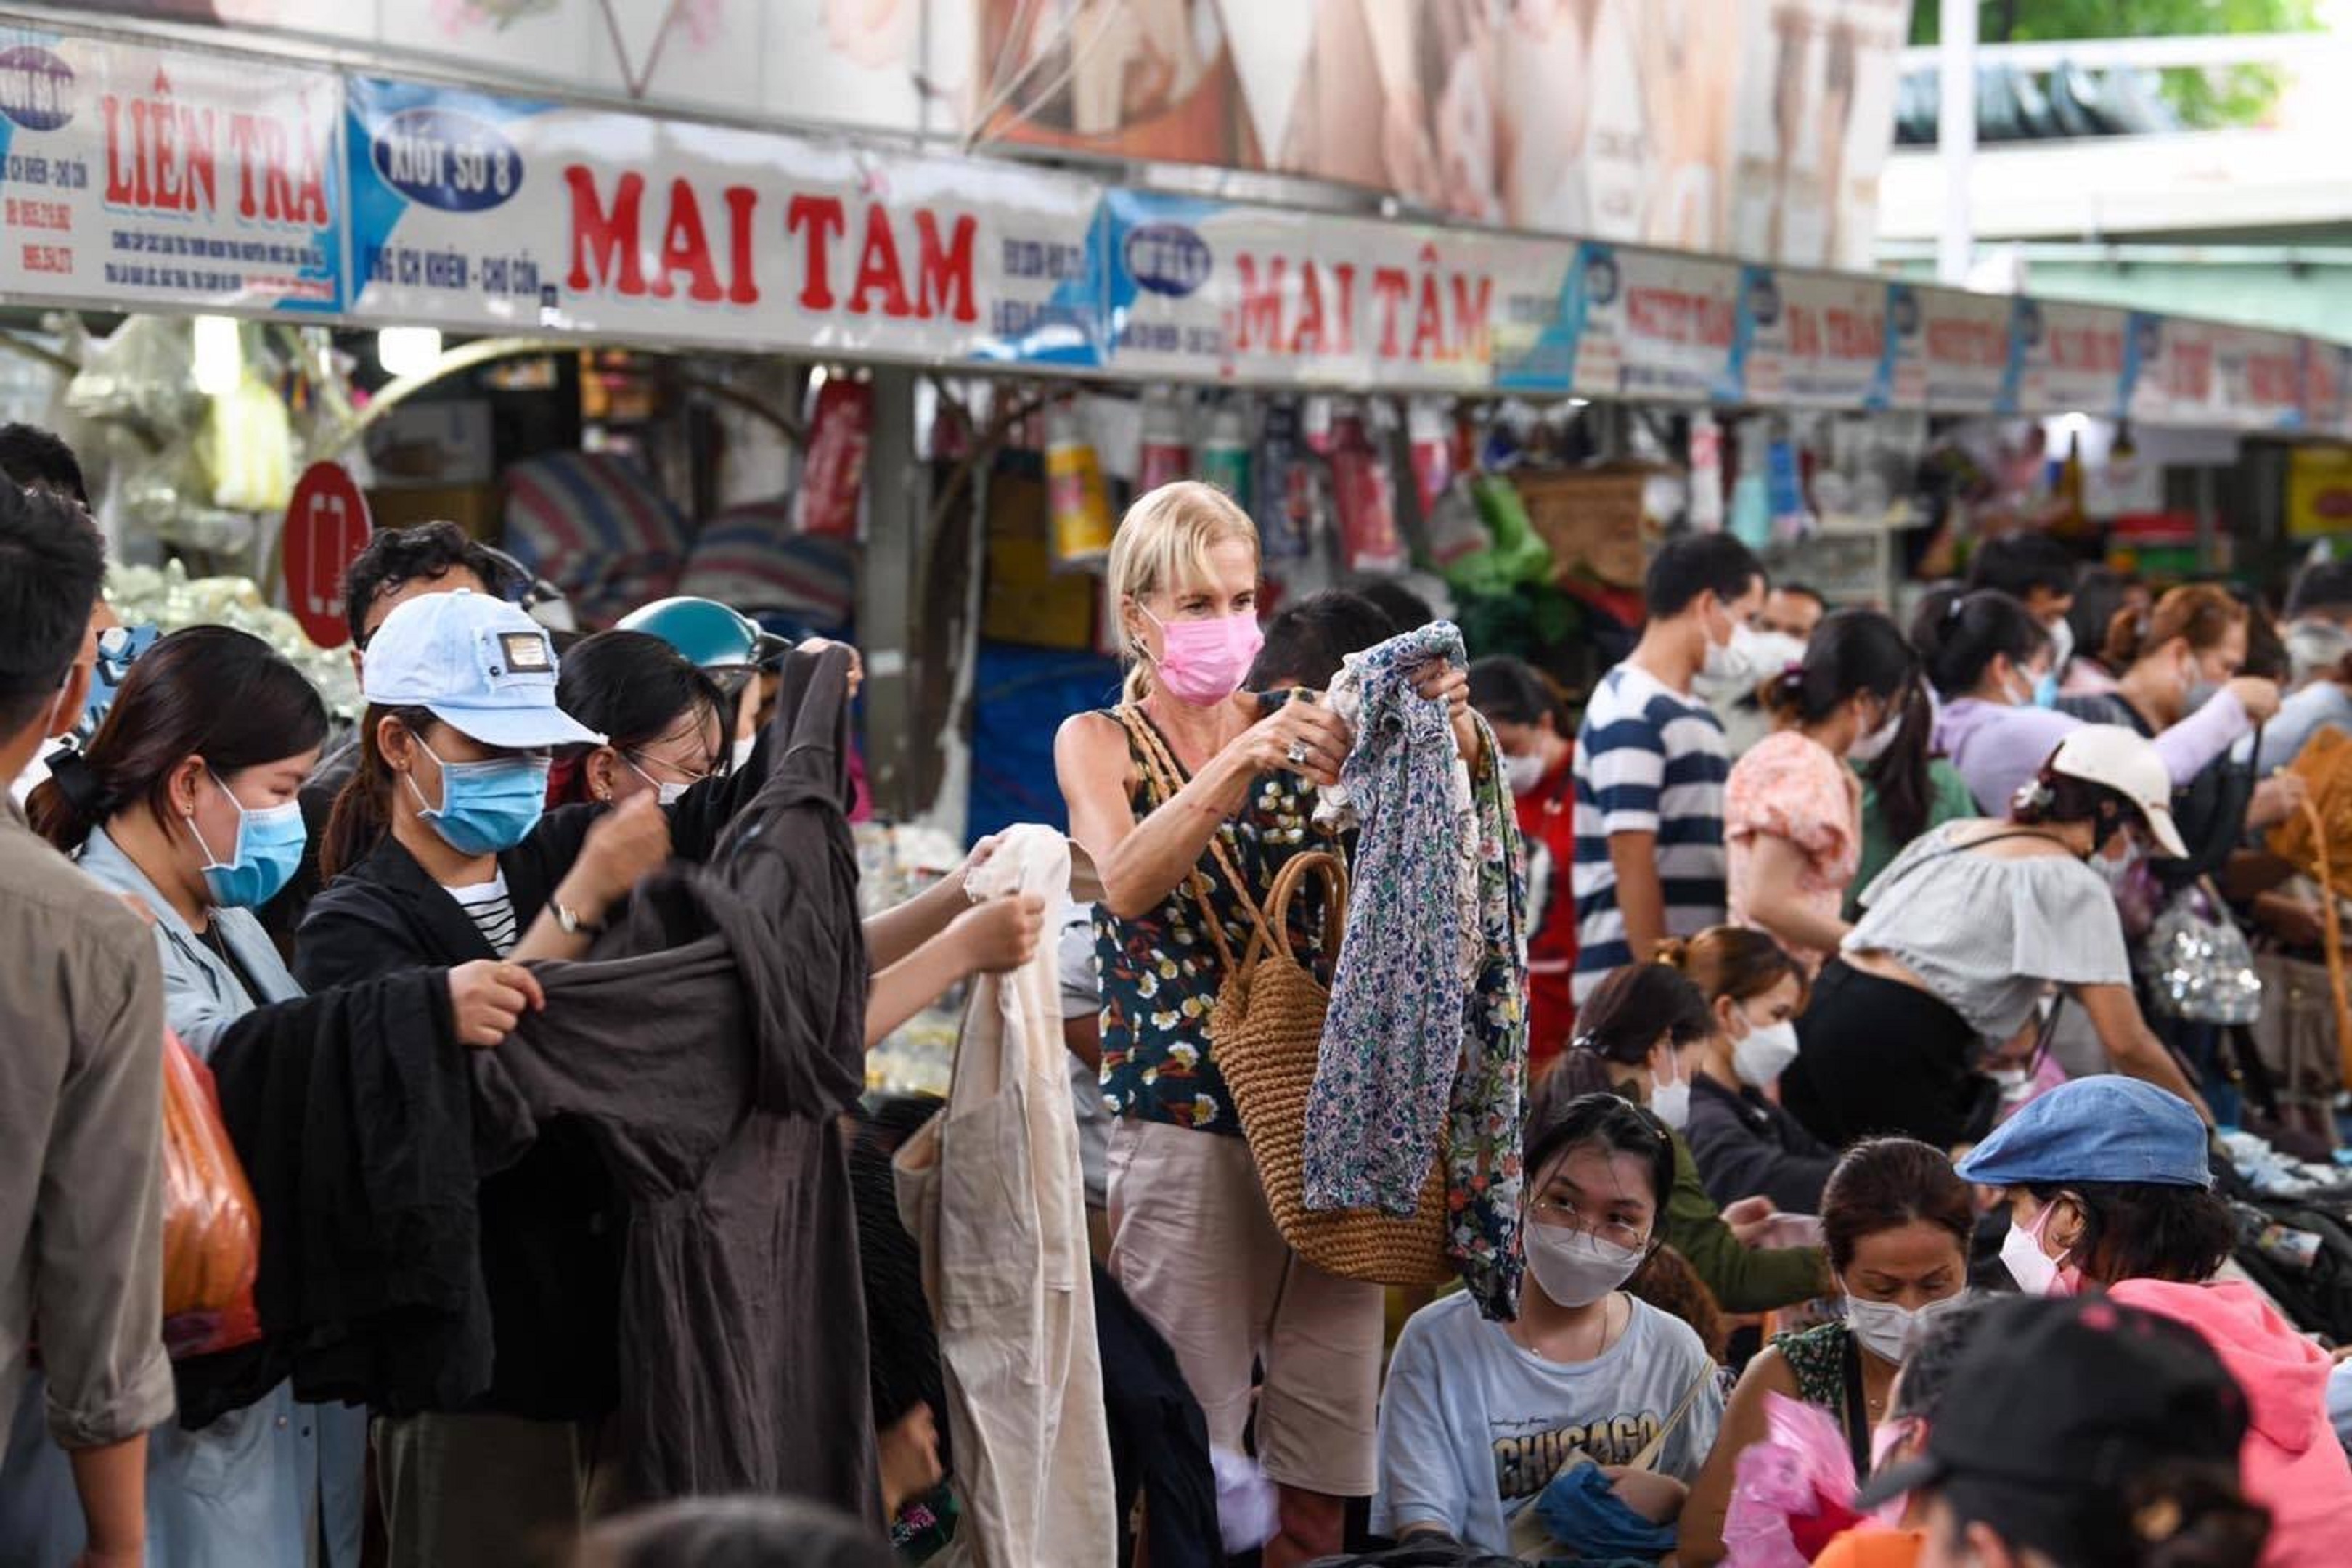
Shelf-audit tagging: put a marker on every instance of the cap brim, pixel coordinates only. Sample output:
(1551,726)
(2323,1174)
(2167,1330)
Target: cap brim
(2160,826)
(518,729)
(1887,1485)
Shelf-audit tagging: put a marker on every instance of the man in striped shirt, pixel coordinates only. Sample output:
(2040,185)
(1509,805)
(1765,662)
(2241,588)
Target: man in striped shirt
(1651,762)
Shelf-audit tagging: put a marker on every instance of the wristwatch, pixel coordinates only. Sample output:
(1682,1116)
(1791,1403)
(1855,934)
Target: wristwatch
(568,921)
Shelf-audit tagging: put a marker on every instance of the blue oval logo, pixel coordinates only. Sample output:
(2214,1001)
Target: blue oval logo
(1168,258)
(445,160)
(35,88)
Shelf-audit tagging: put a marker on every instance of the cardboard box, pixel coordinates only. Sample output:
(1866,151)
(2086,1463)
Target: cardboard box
(1592,519)
(1024,599)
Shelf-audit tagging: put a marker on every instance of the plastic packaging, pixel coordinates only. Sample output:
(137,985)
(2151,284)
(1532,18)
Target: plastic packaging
(1432,436)
(1076,497)
(1292,493)
(1792,1492)
(1706,473)
(1225,455)
(212,1227)
(1365,496)
(840,429)
(1166,454)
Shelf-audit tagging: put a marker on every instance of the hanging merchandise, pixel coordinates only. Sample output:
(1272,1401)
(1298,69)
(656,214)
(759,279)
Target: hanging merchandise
(1706,473)
(1784,488)
(1455,530)
(1225,455)
(839,433)
(1365,497)
(1517,554)
(1431,434)
(1076,495)
(1167,456)
(1751,503)
(1293,496)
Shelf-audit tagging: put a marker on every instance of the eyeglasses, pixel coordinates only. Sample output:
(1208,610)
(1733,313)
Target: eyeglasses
(689,776)
(1561,1216)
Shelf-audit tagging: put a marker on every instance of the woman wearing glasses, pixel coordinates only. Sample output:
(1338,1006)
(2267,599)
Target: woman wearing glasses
(1479,1417)
(660,717)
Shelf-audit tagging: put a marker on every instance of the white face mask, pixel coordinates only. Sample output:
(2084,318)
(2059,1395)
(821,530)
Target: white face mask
(1737,658)
(1525,775)
(1759,1060)
(1873,746)
(1888,1330)
(2062,644)
(2036,1272)
(1671,1100)
(667,790)
(740,756)
(1574,1268)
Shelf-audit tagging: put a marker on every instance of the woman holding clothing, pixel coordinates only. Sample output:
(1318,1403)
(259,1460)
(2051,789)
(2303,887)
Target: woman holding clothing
(1192,1240)
(1744,1141)
(440,850)
(1791,808)
(661,719)
(1959,941)
(186,806)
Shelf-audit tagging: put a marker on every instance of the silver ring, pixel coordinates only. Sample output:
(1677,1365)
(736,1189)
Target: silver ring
(1297,753)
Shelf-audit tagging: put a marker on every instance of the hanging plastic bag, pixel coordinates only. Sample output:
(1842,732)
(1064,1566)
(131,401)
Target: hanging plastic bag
(1289,477)
(212,1227)
(1075,495)
(1167,456)
(834,472)
(1365,496)
(1793,1493)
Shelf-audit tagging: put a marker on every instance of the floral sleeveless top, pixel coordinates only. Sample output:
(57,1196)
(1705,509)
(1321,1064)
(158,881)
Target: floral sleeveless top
(1161,972)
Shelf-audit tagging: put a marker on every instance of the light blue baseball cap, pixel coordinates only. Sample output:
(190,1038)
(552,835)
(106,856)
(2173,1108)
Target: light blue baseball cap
(479,664)
(2102,1128)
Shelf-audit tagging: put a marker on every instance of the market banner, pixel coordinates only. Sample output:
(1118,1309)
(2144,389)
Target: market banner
(1216,291)
(502,215)
(2071,358)
(2209,376)
(1965,352)
(132,176)
(1675,317)
(2327,388)
(1541,343)
(1810,340)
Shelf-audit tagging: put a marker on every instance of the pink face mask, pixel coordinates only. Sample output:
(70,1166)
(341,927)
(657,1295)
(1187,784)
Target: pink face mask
(1204,662)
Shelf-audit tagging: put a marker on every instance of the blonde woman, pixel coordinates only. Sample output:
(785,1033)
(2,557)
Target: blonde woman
(1191,1241)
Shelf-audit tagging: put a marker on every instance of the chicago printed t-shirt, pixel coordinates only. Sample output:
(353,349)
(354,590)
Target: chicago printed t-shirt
(1648,760)
(1472,1428)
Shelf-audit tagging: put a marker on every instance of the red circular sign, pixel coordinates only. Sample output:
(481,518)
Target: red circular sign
(326,528)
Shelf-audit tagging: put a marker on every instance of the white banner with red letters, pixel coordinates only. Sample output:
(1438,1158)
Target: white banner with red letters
(497,214)
(136,174)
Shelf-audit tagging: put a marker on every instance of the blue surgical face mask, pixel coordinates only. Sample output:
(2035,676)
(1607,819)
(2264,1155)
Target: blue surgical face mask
(485,807)
(262,859)
(2046,691)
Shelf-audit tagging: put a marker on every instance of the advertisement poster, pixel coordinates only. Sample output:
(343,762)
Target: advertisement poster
(2071,358)
(1811,340)
(1209,289)
(1964,351)
(2327,388)
(134,174)
(502,215)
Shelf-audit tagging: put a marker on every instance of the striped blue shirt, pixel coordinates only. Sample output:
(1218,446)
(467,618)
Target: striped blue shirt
(1648,760)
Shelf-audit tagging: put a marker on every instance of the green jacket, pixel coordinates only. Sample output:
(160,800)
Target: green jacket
(1744,1278)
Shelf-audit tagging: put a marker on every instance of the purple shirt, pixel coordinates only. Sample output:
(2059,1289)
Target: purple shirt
(1997,747)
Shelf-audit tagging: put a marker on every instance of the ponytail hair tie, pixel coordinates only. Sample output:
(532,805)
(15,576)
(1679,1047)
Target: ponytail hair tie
(78,782)
(1952,611)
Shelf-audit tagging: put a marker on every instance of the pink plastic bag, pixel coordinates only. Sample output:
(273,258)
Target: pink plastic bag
(1800,1471)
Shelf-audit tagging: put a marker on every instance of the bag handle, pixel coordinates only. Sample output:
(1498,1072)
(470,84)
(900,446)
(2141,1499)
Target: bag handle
(1649,1456)
(1273,936)
(1161,772)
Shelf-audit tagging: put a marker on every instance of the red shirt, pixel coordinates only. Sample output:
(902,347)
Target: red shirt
(1547,821)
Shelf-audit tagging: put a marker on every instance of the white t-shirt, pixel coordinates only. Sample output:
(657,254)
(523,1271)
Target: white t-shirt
(1472,1428)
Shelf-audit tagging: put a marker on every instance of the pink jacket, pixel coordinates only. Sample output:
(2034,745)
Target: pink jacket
(2291,1463)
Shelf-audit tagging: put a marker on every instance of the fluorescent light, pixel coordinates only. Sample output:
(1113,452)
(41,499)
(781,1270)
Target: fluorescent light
(1579,401)
(2073,424)
(219,362)
(407,351)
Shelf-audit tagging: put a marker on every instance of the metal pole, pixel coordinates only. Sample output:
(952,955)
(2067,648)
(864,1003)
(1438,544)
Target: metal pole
(898,499)
(1956,135)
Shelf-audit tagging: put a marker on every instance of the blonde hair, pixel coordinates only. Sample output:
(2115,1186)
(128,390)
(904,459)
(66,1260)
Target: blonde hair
(1164,539)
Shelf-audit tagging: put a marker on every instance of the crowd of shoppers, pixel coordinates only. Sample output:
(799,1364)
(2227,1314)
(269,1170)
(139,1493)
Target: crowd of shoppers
(518,1274)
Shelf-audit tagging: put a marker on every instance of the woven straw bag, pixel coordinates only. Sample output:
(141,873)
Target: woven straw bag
(1267,1033)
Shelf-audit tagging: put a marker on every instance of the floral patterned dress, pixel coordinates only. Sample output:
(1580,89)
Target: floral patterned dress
(1160,971)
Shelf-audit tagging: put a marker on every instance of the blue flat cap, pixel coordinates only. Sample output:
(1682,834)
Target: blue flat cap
(2103,1129)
